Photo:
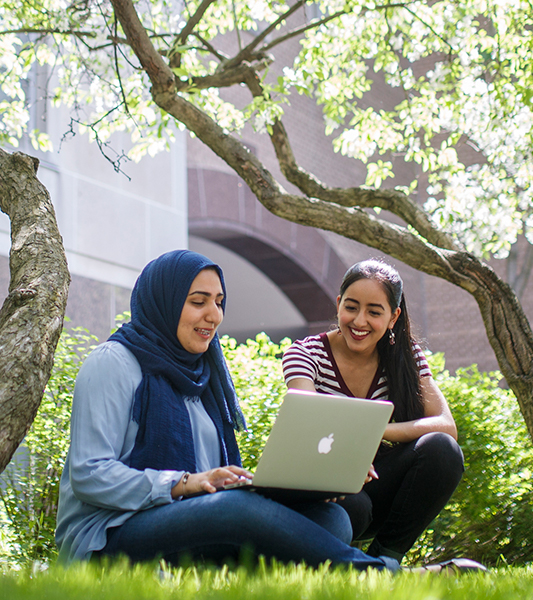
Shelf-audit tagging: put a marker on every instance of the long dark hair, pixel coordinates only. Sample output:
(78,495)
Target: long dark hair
(398,360)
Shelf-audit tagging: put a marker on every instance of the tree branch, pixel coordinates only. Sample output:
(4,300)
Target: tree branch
(48,31)
(319,22)
(263,183)
(194,20)
(152,62)
(437,35)
(181,38)
(300,30)
(236,25)
(349,222)
(117,71)
(211,48)
(228,77)
(246,52)
(391,200)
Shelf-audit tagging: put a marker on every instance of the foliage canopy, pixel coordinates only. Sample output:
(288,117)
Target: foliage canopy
(457,103)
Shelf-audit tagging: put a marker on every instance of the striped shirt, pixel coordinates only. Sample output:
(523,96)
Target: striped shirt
(312,358)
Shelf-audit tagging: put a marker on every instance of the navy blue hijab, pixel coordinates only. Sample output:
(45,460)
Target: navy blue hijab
(170,373)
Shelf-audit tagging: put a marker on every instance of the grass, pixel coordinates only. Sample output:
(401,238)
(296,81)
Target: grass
(122,582)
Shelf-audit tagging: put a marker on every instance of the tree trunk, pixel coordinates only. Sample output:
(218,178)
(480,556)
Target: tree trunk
(31,318)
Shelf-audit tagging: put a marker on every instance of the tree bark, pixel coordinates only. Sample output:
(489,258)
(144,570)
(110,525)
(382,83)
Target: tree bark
(31,318)
(429,249)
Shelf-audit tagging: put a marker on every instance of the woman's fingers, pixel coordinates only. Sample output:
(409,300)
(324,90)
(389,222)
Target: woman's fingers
(207,486)
(225,475)
(210,481)
(240,471)
(372,474)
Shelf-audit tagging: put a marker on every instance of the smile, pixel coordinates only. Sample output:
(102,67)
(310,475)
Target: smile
(357,333)
(203,332)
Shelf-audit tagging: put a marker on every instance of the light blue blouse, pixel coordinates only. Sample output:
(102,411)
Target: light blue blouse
(98,489)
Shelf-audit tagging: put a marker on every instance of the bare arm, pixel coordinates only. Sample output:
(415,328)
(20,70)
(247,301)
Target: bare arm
(437,417)
(301,383)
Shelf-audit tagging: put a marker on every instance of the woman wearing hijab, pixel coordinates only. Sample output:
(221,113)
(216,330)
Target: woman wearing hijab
(153,421)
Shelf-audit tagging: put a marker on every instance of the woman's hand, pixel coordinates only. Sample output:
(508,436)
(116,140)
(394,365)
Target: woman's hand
(371,474)
(209,481)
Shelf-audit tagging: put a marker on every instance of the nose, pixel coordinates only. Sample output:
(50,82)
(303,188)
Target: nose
(214,314)
(360,318)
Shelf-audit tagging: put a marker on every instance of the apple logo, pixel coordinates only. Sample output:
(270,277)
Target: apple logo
(324,445)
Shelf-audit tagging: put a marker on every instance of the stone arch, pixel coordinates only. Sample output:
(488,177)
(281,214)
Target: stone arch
(298,260)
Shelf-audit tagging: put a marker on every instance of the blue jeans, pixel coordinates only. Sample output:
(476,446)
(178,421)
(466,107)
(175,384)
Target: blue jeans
(220,526)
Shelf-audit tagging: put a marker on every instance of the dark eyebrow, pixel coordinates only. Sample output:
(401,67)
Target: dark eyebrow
(206,294)
(375,304)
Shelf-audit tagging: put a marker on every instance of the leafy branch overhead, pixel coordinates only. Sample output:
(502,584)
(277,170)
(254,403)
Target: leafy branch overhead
(456,104)
(458,77)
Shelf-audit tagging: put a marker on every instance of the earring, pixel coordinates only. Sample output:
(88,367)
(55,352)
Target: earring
(392,337)
(339,330)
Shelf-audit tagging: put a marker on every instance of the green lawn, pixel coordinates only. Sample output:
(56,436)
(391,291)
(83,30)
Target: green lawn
(120,582)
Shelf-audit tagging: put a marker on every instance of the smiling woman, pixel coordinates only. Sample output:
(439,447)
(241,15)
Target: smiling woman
(364,317)
(153,437)
(372,354)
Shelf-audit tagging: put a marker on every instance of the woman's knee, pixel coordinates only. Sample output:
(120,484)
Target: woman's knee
(331,517)
(236,505)
(441,453)
(359,509)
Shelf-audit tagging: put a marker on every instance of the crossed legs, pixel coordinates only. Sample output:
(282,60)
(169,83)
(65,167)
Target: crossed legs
(219,526)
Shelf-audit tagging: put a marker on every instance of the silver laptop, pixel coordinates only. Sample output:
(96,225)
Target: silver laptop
(320,446)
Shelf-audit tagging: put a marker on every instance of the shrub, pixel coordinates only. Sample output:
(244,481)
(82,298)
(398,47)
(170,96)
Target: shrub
(256,371)
(29,487)
(489,517)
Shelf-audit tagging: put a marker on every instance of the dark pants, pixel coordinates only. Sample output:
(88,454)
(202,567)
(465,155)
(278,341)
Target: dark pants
(416,480)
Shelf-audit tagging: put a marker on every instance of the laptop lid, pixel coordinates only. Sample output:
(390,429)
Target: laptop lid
(322,442)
